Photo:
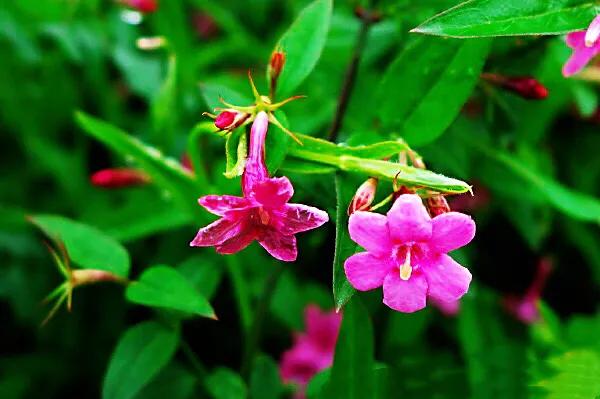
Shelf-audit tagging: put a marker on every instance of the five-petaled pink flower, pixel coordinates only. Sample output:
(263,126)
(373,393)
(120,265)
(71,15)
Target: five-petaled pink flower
(585,45)
(263,213)
(312,351)
(407,254)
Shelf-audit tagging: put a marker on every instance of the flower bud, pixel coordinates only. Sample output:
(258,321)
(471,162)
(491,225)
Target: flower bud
(143,6)
(205,26)
(276,64)
(437,205)
(524,86)
(81,277)
(230,119)
(119,178)
(364,197)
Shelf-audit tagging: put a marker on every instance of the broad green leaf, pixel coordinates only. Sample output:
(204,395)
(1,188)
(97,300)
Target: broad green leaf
(212,92)
(173,382)
(477,18)
(303,44)
(265,381)
(236,150)
(223,383)
(87,247)
(352,374)
(572,203)
(165,287)
(344,246)
(203,273)
(165,172)
(426,86)
(577,375)
(142,351)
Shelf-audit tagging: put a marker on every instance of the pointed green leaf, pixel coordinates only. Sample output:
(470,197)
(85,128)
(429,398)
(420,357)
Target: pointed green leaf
(303,44)
(87,247)
(141,353)
(426,86)
(577,375)
(224,383)
(265,382)
(477,18)
(165,287)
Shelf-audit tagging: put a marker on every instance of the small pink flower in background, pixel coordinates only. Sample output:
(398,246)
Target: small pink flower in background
(446,308)
(585,45)
(119,178)
(313,350)
(406,253)
(263,213)
(525,308)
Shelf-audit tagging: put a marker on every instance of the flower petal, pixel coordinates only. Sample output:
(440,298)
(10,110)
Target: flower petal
(579,59)
(217,232)
(370,231)
(278,245)
(256,171)
(447,280)
(239,242)
(593,32)
(273,192)
(366,271)
(322,327)
(297,218)
(408,220)
(221,204)
(406,296)
(450,231)
(576,39)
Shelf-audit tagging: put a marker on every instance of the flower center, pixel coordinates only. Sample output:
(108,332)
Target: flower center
(406,268)
(263,216)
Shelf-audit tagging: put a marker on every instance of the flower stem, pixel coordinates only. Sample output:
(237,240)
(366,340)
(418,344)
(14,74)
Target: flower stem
(259,315)
(367,19)
(241,292)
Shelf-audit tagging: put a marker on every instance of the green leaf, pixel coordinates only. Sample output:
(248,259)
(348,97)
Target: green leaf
(203,272)
(305,167)
(265,382)
(173,382)
(352,374)
(431,77)
(165,287)
(164,106)
(303,44)
(344,246)
(577,375)
(236,149)
(317,384)
(142,351)
(223,383)
(277,143)
(574,204)
(88,247)
(359,160)
(477,18)
(211,92)
(165,172)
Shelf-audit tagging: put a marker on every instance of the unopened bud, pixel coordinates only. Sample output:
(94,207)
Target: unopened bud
(230,119)
(275,67)
(119,178)
(151,43)
(91,276)
(437,205)
(524,86)
(364,197)
(143,6)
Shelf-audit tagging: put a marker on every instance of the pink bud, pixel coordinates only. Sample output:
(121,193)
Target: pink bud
(364,197)
(230,119)
(524,86)
(119,178)
(143,6)
(437,205)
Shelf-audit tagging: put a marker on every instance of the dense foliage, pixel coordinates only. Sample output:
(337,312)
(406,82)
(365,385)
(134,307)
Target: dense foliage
(412,108)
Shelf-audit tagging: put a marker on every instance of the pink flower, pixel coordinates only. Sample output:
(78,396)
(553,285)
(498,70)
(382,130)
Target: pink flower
(312,351)
(406,254)
(585,45)
(525,308)
(263,213)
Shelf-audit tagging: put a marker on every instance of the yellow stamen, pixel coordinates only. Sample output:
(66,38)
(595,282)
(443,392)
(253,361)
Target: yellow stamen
(406,268)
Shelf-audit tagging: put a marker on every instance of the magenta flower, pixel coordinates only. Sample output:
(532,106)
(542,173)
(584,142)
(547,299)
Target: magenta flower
(263,213)
(525,308)
(585,45)
(406,254)
(312,351)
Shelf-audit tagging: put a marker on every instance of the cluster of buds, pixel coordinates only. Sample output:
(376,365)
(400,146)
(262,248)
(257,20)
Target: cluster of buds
(526,87)
(73,279)
(233,116)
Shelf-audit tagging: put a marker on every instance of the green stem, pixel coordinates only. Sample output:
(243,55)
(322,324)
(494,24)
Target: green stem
(261,310)
(193,359)
(193,149)
(241,292)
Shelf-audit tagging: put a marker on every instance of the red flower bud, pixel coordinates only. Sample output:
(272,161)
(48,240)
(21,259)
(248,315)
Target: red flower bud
(437,205)
(525,86)
(119,178)
(143,6)
(205,26)
(276,64)
(364,197)
(230,119)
